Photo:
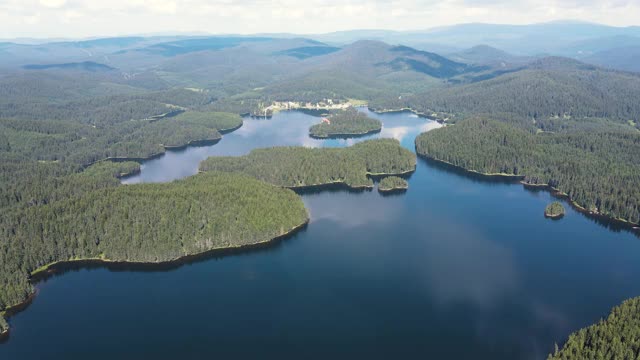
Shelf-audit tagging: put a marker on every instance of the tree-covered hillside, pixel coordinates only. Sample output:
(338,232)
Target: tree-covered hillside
(83,144)
(301,167)
(41,161)
(547,88)
(597,169)
(616,337)
(143,223)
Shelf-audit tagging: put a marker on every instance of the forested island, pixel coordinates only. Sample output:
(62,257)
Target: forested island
(592,162)
(616,337)
(392,184)
(345,123)
(555,210)
(146,223)
(298,167)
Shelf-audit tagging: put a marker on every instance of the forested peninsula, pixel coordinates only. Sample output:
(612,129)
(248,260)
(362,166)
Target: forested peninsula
(616,337)
(298,167)
(596,169)
(345,123)
(79,143)
(146,223)
(61,201)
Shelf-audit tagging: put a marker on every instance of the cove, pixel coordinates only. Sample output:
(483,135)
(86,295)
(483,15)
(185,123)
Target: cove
(455,267)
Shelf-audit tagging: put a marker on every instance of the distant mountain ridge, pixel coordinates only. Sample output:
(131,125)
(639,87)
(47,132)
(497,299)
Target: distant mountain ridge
(85,65)
(548,87)
(305,52)
(428,63)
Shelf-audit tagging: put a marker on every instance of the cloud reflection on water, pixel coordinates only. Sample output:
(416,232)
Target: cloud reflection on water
(462,265)
(350,210)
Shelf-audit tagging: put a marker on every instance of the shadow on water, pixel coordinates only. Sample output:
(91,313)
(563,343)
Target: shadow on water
(377,178)
(342,187)
(314,112)
(345,136)
(330,188)
(604,221)
(62,268)
(475,177)
(215,254)
(393,193)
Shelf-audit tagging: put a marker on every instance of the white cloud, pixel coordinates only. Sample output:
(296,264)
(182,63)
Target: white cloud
(53,3)
(83,18)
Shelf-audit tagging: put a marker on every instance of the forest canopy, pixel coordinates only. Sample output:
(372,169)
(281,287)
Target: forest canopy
(597,169)
(301,167)
(554,210)
(348,122)
(392,183)
(143,223)
(84,144)
(616,337)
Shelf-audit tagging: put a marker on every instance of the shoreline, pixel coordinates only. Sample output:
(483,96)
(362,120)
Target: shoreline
(399,174)
(344,135)
(553,217)
(500,176)
(393,189)
(400,110)
(201,142)
(50,269)
(342,183)
(328,184)
(197,142)
(633,227)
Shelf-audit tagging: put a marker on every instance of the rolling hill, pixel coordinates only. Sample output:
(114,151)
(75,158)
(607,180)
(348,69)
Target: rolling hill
(549,87)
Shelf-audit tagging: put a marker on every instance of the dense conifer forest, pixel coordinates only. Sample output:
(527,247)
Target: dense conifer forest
(43,161)
(301,167)
(4,326)
(143,223)
(391,183)
(349,122)
(47,186)
(554,121)
(616,337)
(554,210)
(550,87)
(72,142)
(597,169)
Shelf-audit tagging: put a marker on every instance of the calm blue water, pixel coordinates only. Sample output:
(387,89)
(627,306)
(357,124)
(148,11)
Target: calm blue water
(454,268)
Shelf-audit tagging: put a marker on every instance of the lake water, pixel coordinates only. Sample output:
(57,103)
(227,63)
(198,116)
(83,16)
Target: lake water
(455,268)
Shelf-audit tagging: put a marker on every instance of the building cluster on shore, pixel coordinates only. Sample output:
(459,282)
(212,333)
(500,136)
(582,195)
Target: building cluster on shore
(274,107)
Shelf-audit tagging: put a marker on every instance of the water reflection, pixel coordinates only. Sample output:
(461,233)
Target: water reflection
(353,210)
(463,265)
(290,128)
(459,267)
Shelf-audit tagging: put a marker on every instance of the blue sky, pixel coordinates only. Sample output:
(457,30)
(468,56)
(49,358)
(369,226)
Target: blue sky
(86,18)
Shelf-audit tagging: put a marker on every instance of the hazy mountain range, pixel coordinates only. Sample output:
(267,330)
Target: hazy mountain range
(608,46)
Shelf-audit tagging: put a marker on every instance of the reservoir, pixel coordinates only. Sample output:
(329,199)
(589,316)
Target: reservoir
(456,267)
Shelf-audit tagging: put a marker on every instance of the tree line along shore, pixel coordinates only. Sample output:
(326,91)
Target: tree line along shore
(89,215)
(299,167)
(345,123)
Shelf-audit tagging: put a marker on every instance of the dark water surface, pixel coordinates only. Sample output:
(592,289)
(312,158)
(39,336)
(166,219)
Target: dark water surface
(454,268)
